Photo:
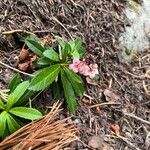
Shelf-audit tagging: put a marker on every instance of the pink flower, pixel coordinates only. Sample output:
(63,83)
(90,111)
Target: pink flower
(74,66)
(82,68)
(93,70)
(86,70)
(76,61)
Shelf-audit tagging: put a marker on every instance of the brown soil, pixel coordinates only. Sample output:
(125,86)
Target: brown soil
(99,23)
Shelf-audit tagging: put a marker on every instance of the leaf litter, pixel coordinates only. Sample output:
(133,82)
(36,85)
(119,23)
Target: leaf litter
(99,23)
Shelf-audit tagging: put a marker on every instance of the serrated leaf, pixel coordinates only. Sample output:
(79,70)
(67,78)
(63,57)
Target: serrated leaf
(12,124)
(25,98)
(57,90)
(43,61)
(2,106)
(26,113)
(44,77)
(78,46)
(76,54)
(78,50)
(65,51)
(78,43)
(72,45)
(82,52)
(34,45)
(3,123)
(17,93)
(60,41)
(6,133)
(51,54)
(14,82)
(33,38)
(75,80)
(68,92)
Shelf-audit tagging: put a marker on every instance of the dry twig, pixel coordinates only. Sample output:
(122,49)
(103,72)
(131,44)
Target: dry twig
(125,140)
(7,66)
(137,118)
(16,31)
(103,104)
(56,20)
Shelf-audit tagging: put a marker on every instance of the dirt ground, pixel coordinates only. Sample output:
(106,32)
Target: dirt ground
(121,90)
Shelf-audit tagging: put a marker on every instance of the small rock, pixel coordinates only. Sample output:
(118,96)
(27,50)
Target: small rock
(77,121)
(110,96)
(96,141)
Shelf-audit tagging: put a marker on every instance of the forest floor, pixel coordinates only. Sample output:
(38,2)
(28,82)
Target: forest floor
(120,99)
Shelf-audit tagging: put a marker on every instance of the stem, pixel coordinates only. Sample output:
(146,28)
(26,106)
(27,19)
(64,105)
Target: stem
(7,66)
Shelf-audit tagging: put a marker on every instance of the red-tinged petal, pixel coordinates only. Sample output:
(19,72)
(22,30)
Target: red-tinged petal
(73,68)
(76,61)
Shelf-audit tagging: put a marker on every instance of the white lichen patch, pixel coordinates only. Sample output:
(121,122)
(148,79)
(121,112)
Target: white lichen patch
(136,37)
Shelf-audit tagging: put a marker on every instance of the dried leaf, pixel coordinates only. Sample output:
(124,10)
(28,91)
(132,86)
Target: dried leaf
(24,54)
(24,66)
(116,129)
(47,40)
(90,81)
(96,141)
(33,59)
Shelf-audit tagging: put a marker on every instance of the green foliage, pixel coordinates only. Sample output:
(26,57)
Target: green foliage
(44,78)
(33,43)
(75,81)
(2,106)
(14,82)
(10,112)
(55,68)
(68,92)
(17,93)
(51,54)
(26,113)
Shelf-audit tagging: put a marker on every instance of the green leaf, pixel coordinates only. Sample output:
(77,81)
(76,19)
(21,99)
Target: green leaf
(6,133)
(34,46)
(44,77)
(78,46)
(60,41)
(26,113)
(3,116)
(78,43)
(68,92)
(12,124)
(2,106)
(57,90)
(75,45)
(14,82)
(75,80)
(65,51)
(51,54)
(17,93)
(76,54)
(72,45)
(24,99)
(33,38)
(82,52)
(43,61)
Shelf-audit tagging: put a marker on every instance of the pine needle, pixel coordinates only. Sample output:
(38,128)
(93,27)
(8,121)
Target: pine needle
(47,133)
